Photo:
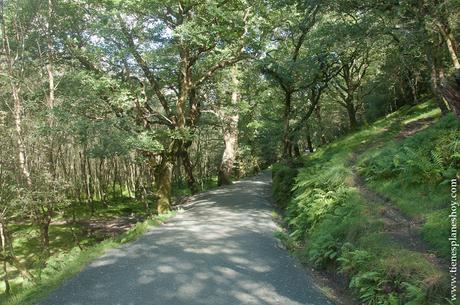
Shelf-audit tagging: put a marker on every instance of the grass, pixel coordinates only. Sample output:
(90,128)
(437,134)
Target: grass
(64,235)
(180,189)
(414,173)
(66,257)
(64,264)
(336,227)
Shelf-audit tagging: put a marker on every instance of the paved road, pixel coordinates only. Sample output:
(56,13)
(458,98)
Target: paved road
(220,251)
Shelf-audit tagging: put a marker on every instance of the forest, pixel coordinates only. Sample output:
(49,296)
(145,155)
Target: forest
(114,113)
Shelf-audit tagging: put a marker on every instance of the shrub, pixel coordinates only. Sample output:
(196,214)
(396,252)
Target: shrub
(326,240)
(283,181)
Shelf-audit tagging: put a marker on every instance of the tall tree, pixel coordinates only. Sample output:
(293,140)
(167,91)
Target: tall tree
(230,118)
(196,41)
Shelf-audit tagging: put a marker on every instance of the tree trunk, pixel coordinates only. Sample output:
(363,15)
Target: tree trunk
(188,166)
(352,116)
(45,235)
(296,149)
(229,155)
(230,131)
(449,39)
(450,90)
(286,130)
(164,180)
(435,87)
(309,142)
(4,255)
(17,108)
(433,61)
(322,137)
(51,89)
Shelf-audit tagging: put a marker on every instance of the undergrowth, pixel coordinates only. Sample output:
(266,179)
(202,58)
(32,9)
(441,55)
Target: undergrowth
(336,228)
(65,264)
(418,169)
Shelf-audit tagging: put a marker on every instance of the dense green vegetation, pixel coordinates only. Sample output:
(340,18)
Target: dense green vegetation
(334,225)
(418,169)
(114,111)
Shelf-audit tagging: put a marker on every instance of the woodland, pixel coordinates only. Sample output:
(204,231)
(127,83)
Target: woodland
(113,112)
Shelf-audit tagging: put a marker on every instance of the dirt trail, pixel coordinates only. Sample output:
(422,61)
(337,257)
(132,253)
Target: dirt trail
(414,127)
(399,227)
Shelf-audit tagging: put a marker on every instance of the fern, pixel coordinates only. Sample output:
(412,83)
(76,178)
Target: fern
(414,294)
(353,260)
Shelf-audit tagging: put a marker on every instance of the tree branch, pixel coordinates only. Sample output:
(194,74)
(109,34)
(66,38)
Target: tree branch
(143,65)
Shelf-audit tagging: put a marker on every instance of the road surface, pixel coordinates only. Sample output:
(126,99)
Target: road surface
(220,251)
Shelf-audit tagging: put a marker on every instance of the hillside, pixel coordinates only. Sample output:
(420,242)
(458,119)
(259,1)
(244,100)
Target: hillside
(374,205)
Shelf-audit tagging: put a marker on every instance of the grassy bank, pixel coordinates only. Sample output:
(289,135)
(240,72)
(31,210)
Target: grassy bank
(334,223)
(65,263)
(78,233)
(415,173)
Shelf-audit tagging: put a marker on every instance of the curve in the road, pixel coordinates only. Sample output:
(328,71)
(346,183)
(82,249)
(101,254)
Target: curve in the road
(221,251)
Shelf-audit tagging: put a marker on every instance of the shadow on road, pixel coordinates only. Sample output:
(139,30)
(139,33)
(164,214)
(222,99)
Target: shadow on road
(221,251)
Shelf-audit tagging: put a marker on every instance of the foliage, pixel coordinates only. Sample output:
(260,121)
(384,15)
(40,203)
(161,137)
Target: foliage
(282,182)
(429,157)
(339,229)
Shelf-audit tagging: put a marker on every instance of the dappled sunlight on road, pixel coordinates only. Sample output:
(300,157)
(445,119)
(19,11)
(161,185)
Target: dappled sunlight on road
(220,251)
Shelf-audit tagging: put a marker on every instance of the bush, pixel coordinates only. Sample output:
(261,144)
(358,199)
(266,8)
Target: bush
(283,175)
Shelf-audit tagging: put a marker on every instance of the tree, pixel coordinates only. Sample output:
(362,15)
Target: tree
(288,39)
(195,44)
(230,118)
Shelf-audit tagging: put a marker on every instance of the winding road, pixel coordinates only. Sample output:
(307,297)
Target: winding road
(220,251)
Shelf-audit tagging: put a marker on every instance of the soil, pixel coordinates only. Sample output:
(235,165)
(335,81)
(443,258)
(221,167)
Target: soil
(414,127)
(104,228)
(110,227)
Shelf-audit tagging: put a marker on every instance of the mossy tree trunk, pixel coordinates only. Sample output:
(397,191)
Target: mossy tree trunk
(229,155)
(164,181)
(351,111)
(188,167)
(230,131)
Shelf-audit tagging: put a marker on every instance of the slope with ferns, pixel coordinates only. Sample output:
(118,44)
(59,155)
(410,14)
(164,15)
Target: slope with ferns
(373,206)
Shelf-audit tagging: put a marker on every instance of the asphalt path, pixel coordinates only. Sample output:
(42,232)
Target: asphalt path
(220,250)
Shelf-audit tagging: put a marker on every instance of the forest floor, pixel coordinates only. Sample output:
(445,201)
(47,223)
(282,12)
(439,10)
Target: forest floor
(221,250)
